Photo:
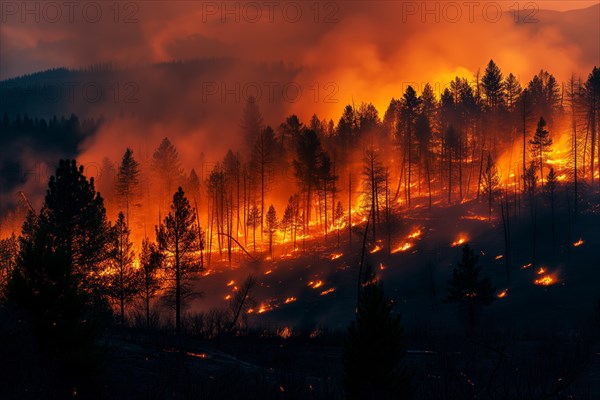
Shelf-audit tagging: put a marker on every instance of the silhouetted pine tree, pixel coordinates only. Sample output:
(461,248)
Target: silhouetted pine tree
(466,288)
(374,350)
(179,242)
(55,280)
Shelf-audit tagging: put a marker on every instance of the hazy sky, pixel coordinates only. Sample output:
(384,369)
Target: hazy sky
(369,50)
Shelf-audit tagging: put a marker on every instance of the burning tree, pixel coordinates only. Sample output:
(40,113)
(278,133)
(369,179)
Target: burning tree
(490,182)
(271,227)
(466,288)
(128,182)
(374,178)
(179,242)
(540,146)
(253,221)
(151,260)
(167,169)
(122,284)
(374,349)
(8,256)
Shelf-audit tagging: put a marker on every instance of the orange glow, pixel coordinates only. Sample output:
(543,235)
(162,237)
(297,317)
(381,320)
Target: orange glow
(376,249)
(578,243)
(284,333)
(545,279)
(402,247)
(460,240)
(335,256)
(526,266)
(289,300)
(326,292)
(228,297)
(231,283)
(499,257)
(315,284)
(503,294)
(416,234)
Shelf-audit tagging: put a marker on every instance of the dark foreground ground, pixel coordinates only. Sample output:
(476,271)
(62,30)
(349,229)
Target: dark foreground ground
(537,342)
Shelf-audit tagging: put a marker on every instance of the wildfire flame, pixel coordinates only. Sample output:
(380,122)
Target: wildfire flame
(326,292)
(289,300)
(503,294)
(545,279)
(315,284)
(499,257)
(578,243)
(460,240)
(285,333)
(335,256)
(416,234)
(376,249)
(402,247)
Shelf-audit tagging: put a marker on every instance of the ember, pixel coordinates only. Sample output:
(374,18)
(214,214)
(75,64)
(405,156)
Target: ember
(578,243)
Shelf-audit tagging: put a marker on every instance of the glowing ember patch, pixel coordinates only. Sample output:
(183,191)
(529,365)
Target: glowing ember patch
(459,241)
(268,272)
(285,333)
(228,297)
(335,256)
(503,294)
(381,266)
(315,284)
(231,283)
(376,249)
(499,257)
(197,355)
(326,292)
(416,234)
(541,271)
(545,280)
(578,243)
(402,247)
(526,266)
(289,300)
(264,308)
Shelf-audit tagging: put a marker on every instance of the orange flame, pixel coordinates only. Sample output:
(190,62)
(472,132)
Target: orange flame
(402,247)
(578,243)
(503,294)
(460,240)
(326,292)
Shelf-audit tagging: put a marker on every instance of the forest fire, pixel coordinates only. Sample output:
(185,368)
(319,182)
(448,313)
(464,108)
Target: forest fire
(255,245)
